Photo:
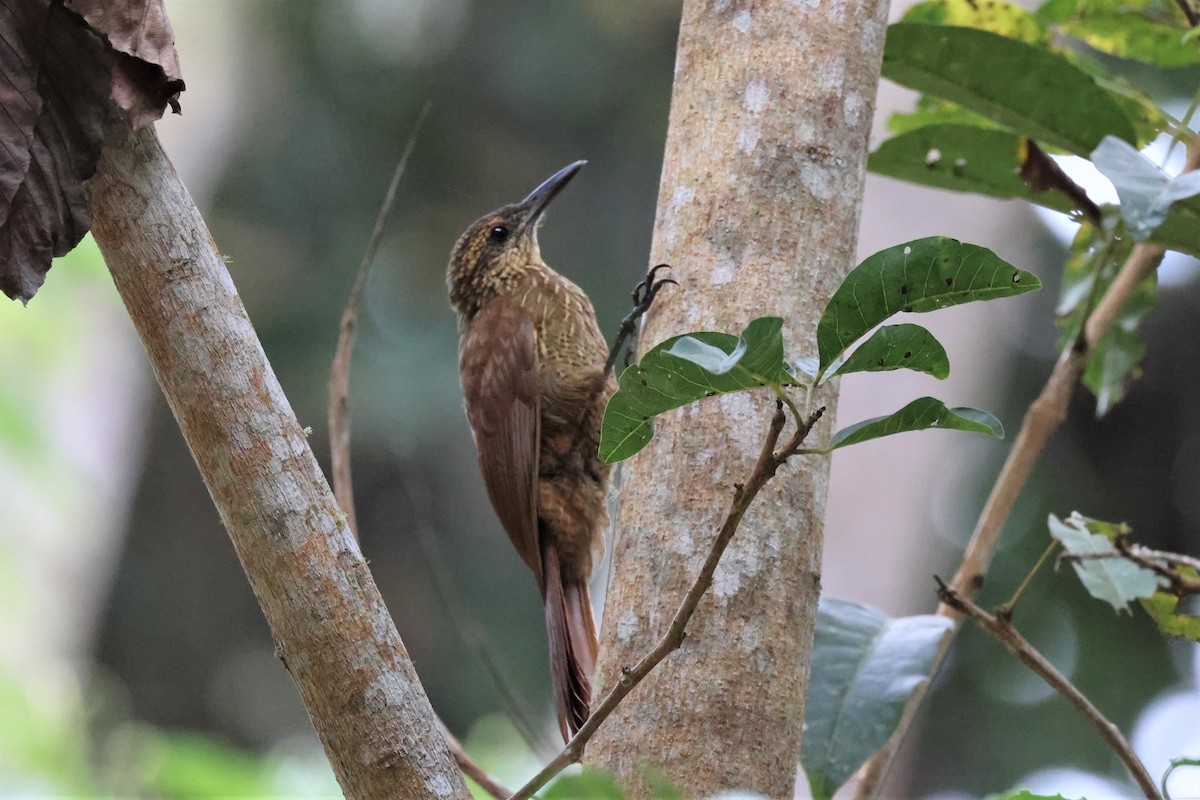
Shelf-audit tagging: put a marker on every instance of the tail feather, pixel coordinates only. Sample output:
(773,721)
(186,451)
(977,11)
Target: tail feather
(573,644)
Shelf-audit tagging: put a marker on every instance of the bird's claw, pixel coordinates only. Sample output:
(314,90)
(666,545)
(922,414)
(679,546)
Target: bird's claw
(643,298)
(644,292)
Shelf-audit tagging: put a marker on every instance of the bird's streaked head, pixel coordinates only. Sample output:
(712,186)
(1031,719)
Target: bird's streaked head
(498,247)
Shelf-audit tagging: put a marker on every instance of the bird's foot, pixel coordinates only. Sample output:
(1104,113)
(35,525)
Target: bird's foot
(643,297)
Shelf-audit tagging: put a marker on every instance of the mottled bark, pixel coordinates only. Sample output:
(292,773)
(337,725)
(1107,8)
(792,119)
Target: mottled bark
(331,628)
(758,214)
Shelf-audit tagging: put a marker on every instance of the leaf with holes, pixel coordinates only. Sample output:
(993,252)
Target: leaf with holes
(898,347)
(962,158)
(1114,580)
(1034,92)
(921,414)
(865,665)
(923,275)
(685,369)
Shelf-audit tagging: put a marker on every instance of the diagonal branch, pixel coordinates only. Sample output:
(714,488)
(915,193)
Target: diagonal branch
(1043,418)
(339,417)
(1020,647)
(769,462)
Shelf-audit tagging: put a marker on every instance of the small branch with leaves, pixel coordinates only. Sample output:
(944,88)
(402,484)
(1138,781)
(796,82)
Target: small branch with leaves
(768,463)
(1000,627)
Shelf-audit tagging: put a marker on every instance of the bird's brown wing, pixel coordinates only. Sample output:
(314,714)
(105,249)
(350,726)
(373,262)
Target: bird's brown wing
(499,366)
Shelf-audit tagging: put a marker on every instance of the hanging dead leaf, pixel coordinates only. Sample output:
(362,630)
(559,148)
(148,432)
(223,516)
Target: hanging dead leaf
(146,74)
(53,128)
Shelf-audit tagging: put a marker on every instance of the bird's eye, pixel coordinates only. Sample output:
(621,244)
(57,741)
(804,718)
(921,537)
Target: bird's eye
(498,234)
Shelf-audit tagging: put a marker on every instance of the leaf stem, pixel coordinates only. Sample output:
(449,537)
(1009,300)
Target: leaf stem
(1006,610)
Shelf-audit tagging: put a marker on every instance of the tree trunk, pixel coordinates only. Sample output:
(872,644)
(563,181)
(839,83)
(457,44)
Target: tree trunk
(331,628)
(758,214)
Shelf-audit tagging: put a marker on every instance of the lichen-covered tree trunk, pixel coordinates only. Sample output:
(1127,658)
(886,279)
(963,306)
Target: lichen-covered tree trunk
(758,214)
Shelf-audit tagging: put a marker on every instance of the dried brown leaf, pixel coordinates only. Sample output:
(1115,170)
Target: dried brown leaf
(146,74)
(54,86)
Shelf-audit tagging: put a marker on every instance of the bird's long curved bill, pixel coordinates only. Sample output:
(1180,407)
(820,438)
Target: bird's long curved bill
(537,200)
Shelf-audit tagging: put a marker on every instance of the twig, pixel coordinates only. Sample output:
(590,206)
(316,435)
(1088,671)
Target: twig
(1179,584)
(1042,419)
(471,769)
(476,639)
(339,372)
(769,461)
(1016,644)
(339,407)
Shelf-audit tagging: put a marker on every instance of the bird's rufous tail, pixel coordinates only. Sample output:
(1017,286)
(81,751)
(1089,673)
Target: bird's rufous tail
(573,643)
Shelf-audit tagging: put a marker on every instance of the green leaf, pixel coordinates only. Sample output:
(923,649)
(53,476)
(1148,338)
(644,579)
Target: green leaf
(1096,256)
(962,158)
(919,415)
(1181,229)
(899,347)
(1036,93)
(591,784)
(865,666)
(1022,794)
(1162,608)
(997,16)
(1114,580)
(932,110)
(664,380)
(1134,29)
(1146,192)
(922,275)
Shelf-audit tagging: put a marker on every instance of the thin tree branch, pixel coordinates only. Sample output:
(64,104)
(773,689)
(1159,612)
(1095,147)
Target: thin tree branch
(470,768)
(1178,583)
(1016,644)
(339,372)
(1043,418)
(769,461)
(339,413)
(469,630)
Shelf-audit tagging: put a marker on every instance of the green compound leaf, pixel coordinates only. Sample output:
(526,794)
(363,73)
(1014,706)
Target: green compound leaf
(923,275)
(1142,30)
(899,347)
(1036,93)
(865,666)
(1162,608)
(962,158)
(676,372)
(1114,580)
(919,415)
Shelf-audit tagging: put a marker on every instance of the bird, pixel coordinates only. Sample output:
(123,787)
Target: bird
(532,362)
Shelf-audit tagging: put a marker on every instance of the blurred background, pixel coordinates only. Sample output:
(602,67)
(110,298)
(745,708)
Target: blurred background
(133,657)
